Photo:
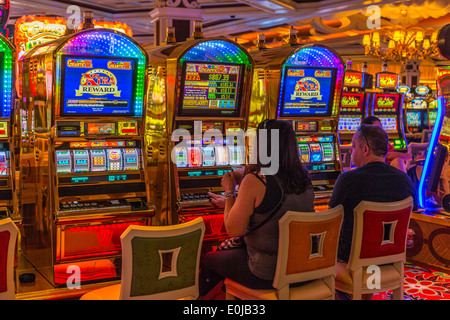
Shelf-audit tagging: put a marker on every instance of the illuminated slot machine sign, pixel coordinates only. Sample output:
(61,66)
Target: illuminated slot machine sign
(351,112)
(210,89)
(98,86)
(307,91)
(387,80)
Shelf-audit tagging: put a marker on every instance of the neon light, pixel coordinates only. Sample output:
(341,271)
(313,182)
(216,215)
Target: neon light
(428,160)
(317,57)
(217,50)
(101,42)
(6,102)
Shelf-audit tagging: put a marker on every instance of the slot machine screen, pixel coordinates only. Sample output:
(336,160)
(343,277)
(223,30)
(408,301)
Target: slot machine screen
(432,115)
(389,123)
(98,85)
(211,89)
(413,118)
(307,91)
(349,124)
(418,103)
(352,102)
(386,103)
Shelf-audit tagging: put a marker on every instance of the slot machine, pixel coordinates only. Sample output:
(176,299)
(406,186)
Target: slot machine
(416,110)
(430,224)
(354,103)
(198,97)
(388,107)
(432,113)
(303,85)
(7,173)
(82,171)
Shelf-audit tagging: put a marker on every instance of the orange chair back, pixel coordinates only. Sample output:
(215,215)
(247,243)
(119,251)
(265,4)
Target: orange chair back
(308,245)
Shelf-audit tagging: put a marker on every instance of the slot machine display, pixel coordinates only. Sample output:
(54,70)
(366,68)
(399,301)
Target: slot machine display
(354,103)
(197,112)
(303,85)
(432,113)
(388,107)
(7,155)
(416,110)
(82,171)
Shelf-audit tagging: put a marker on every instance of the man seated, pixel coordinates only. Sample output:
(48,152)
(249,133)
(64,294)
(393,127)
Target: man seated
(372,180)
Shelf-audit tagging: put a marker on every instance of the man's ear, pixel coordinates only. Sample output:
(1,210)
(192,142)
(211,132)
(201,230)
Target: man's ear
(366,149)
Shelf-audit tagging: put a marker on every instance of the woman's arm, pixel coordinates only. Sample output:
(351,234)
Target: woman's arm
(238,211)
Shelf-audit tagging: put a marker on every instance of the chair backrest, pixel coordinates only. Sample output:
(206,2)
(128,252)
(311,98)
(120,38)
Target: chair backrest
(8,239)
(346,157)
(418,152)
(161,262)
(379,233)
(426,135)
(307,247)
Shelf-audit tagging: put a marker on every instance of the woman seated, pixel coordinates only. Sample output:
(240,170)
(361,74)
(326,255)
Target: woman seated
(394,158)
(260,197)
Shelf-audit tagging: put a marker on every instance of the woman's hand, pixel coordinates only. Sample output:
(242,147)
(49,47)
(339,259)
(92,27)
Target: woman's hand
(229,182)
(217,199)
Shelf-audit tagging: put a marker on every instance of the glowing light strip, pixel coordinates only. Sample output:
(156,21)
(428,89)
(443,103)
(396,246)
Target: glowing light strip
(7,81)
(216,51)
(110,44)
(433,141)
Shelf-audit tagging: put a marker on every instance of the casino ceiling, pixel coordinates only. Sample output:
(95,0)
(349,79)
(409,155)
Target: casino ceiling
(338,23)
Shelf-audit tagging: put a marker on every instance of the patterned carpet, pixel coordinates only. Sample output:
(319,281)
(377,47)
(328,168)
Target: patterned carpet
(422,284)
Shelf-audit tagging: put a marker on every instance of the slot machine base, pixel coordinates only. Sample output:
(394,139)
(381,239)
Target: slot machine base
(42,289)
(430,240)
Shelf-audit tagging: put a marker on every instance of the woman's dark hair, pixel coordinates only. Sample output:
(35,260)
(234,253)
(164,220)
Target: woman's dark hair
(370,120)
(293,177)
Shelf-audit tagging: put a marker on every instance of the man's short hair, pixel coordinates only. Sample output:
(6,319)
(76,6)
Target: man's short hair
(370,120)
(376,137)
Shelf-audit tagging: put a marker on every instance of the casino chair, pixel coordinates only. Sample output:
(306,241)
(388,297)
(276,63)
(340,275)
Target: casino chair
(426,135)
(307,252)
(346,157)
(8,240)
(158,263)
(418,151)
(378,248)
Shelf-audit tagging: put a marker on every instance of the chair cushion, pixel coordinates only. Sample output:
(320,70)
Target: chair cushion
(106,293)
(344,282)
(314,290)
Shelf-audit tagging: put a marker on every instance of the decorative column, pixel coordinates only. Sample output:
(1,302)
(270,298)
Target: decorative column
(410,73)
(179,14)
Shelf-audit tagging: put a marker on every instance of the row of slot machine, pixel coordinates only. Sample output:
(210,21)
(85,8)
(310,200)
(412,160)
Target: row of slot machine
(401,111)
(420,109)
(359,101)
(112,136)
